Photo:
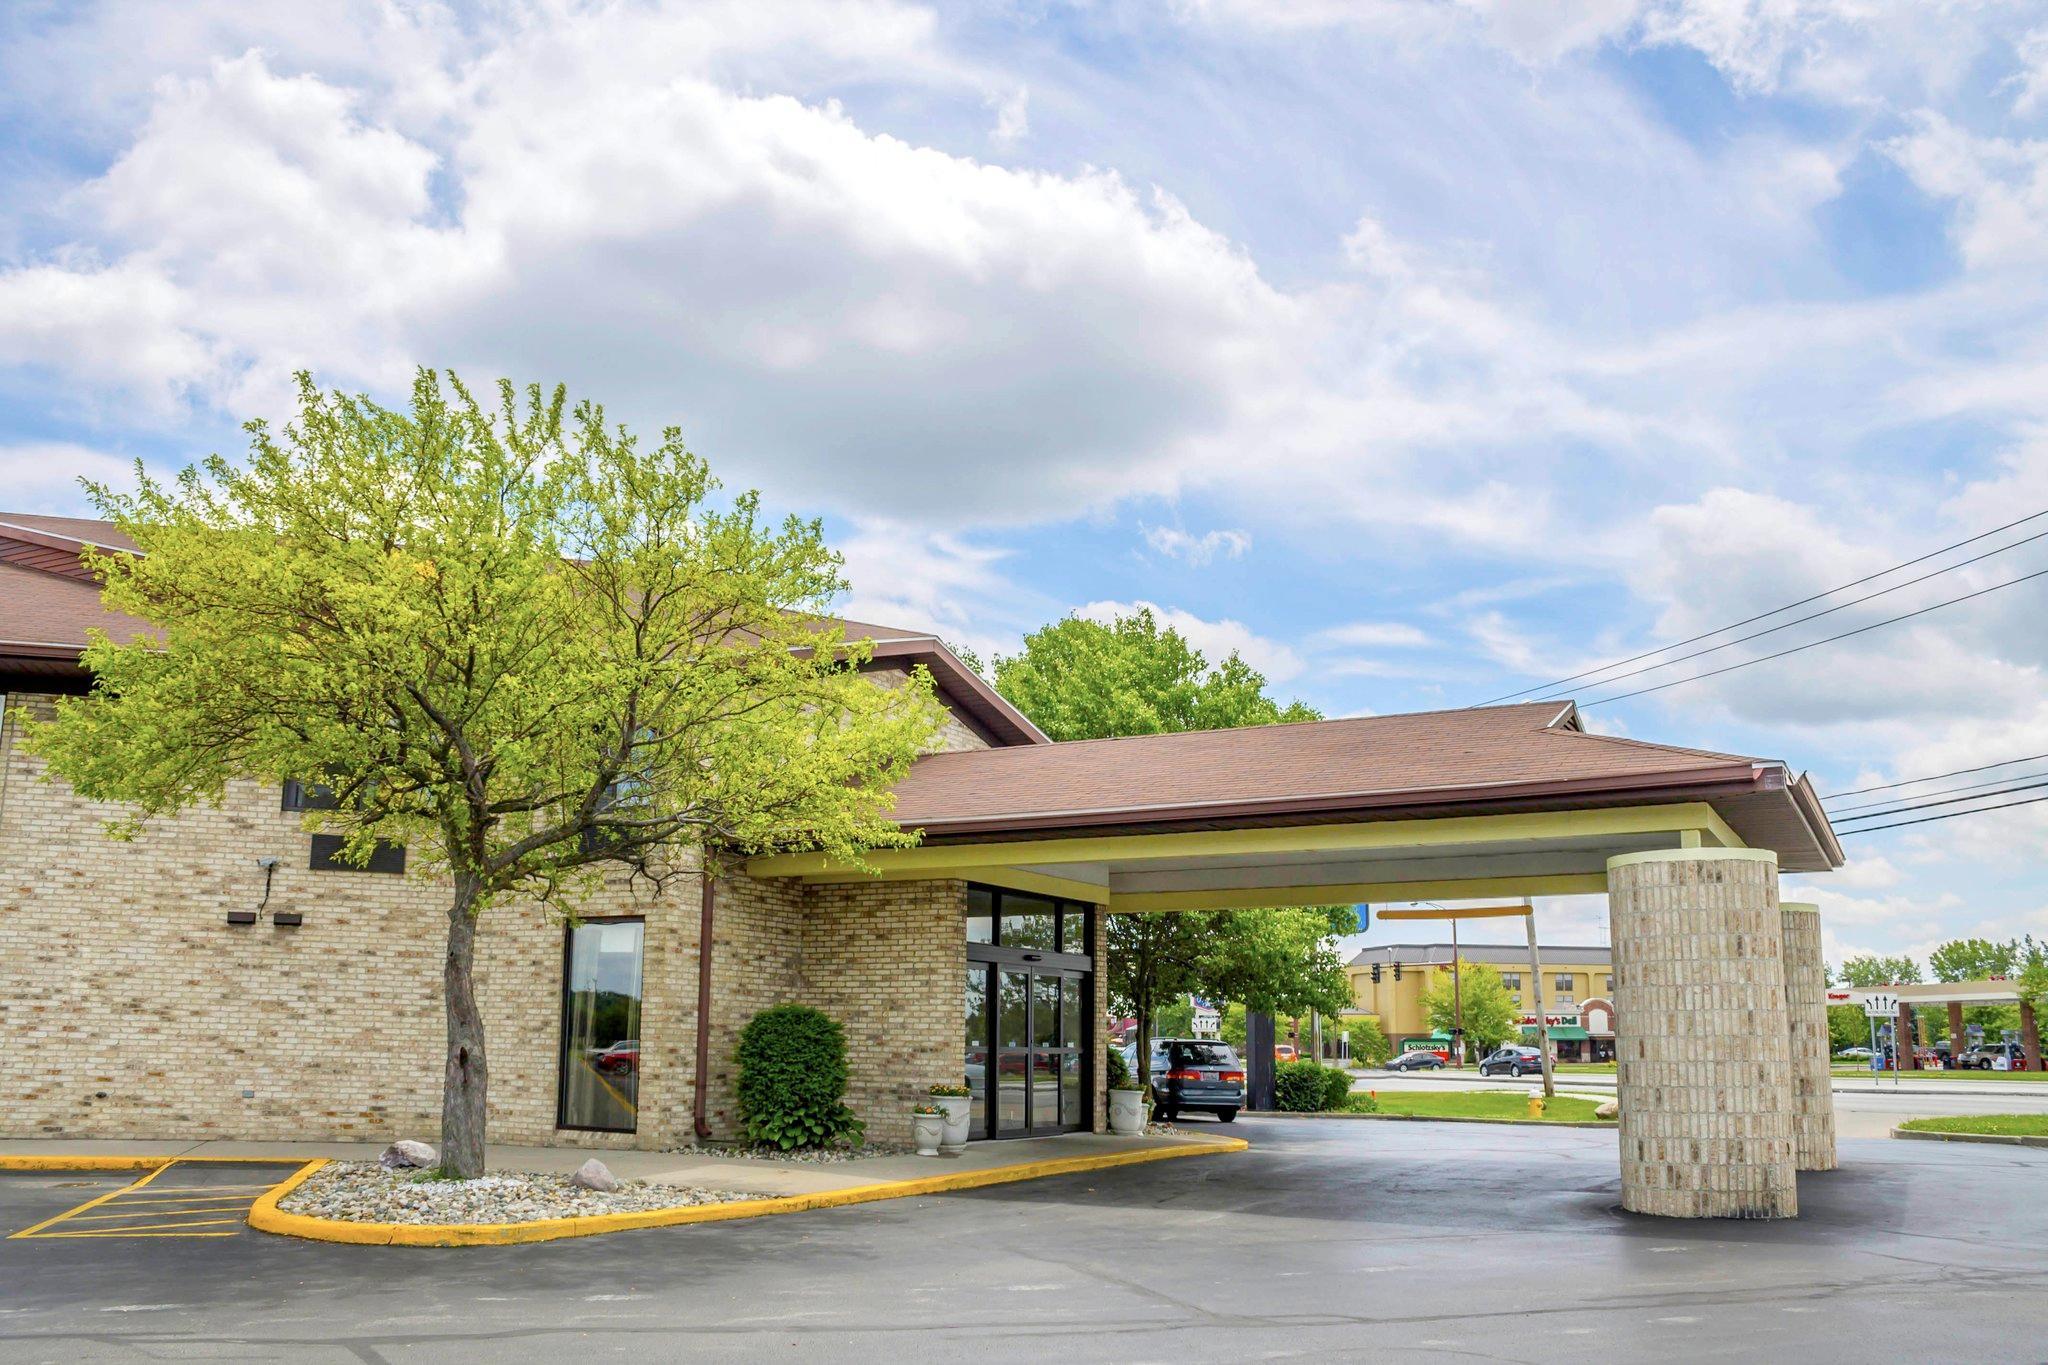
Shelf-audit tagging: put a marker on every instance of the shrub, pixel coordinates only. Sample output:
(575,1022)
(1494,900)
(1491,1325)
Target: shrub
(1119,1071)
(1298,1087)
(1336,1087)
(793,1079)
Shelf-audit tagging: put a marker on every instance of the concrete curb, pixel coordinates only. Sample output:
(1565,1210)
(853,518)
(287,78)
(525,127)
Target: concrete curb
(265,1216)
(2000,1139)
(1431,1118)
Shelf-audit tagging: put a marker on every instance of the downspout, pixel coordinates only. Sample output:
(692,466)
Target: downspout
(698,1104)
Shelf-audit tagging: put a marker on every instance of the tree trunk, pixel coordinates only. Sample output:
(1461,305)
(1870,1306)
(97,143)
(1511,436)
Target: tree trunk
(464,1084)
(1141,1006)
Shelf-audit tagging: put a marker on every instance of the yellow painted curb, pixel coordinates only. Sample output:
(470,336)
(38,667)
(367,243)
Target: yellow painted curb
(31,1162)
(265,1215)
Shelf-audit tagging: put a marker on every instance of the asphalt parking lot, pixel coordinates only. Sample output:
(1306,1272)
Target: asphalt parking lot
(1331,1238)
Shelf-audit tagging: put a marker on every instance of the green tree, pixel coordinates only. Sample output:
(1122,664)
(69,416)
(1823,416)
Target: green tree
(1082,679)
(510,638)
(1369,1042)
(1175,1019)
(1868,969)
(1973,959)
(1491,1016)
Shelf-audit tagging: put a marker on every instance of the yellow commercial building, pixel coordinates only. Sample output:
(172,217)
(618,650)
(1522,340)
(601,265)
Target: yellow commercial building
(1389,983)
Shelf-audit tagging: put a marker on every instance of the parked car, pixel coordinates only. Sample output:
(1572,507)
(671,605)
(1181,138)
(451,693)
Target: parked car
(623,1055)
(1514,1060)
(1286,1052)
(1417,1059)
(1197,1074)
(1855,1054)
(1984,1057)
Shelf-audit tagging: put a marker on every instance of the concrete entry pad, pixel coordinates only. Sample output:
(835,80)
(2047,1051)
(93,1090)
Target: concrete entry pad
(1343,1240)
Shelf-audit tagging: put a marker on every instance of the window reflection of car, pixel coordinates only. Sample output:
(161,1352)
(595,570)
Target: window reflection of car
(620,1056)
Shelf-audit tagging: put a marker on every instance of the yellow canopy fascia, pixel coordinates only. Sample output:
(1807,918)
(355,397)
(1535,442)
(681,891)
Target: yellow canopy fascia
(952,860)
(1352,893)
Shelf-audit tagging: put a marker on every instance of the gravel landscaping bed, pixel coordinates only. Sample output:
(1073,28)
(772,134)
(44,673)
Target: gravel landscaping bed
(364,1192)
(803,1156)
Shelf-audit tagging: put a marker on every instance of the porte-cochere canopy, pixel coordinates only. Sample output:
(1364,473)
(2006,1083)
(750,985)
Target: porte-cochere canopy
(1505,800)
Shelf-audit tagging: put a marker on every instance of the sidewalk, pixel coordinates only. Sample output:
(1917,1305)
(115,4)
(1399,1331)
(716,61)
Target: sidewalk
(749,1174)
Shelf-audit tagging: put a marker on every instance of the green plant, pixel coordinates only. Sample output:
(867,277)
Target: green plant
(952,1092)
(1336,1087)
(928,1109)
(1306,1088)
(1369,1043)
(793,1079)
(1368,1103)
(1117,1069)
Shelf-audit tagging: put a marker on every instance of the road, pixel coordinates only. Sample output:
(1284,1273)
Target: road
(1862,1108)
(1334,1239)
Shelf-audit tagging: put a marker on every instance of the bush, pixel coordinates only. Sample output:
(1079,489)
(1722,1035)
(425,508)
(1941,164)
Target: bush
(1306,1088)
(1336,1087)
(1368,1103)
(1119,1071)
(793,1079)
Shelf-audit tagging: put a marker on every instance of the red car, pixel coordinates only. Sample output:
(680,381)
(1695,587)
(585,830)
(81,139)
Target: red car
(620,1056)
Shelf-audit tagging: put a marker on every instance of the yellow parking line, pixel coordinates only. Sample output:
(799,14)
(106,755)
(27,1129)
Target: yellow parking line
(42,1236)
(240,1205)
(209,1189)
(244,1195)
(93,1203)
(159,1228)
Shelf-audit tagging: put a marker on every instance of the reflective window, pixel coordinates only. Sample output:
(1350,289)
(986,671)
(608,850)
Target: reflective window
(980,916)
(1013,1055)
(600,1065)
(977,1048)
(1027,923)
(1074,932)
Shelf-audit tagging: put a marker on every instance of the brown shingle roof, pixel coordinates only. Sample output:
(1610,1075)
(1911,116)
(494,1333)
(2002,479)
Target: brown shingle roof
(1332,761)
(38,608)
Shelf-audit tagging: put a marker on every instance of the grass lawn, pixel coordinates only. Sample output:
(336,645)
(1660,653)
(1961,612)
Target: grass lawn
(2022,1077)
(2002,1125)
(1478,1104)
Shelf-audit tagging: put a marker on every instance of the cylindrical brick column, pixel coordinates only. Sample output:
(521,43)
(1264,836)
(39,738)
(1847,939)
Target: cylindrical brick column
(1806,1014)
(1700,1034)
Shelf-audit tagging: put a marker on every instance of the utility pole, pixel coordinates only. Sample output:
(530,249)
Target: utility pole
(1457,1001)
(1542,1025)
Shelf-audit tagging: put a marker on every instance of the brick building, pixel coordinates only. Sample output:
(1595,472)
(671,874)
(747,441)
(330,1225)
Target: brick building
(220,976)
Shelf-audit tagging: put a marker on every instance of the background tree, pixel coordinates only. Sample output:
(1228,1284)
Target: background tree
(1369,1042)
(1972,959)
(509,638)
(1868,969)
(1491,1016)
(1082,679)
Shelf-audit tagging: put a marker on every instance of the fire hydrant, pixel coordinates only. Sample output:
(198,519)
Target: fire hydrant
(1535,1106)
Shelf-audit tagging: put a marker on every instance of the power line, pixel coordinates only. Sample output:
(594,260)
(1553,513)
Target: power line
(1938,791)
(1766,615)
(1951,801)
(1935,777)
(1929,819)
(1813,644)
(1810,616)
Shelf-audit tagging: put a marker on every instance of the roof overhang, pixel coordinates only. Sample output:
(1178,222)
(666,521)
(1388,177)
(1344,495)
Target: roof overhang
(1440,857)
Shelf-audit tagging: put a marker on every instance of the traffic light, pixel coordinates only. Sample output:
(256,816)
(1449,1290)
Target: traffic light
(1397,971)
(1375,973)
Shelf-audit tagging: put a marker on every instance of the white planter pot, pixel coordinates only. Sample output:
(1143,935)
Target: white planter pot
(959,1113)
(927,1131)
(1127,1113)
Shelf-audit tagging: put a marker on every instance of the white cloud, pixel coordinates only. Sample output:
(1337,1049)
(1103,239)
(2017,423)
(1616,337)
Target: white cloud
(1197,550)
(1999,186)
(1374,634)
(905,576)
(1217,640)
(1013,116)
(43,476)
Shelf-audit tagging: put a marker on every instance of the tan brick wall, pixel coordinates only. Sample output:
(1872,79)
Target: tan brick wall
(130,1008)
(1702,1041)
(956,734)
(1806,1013)
(889,961)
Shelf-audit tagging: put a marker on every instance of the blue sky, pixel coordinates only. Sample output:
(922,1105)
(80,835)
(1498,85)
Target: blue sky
(1420,350)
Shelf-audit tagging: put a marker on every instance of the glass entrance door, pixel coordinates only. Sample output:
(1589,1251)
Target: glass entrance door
(1038,1052)
(1029,976)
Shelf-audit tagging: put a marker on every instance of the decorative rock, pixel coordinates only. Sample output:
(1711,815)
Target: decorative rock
(594,1175)
(1607,1109)
(364,1193)
(406,1153)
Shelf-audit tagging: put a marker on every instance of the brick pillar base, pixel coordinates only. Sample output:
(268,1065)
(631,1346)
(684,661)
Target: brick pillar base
(1701,1035)
(1806,1013)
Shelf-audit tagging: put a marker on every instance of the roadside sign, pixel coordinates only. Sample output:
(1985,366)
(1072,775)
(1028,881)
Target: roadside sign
(1880,1006)
(1976,1032)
